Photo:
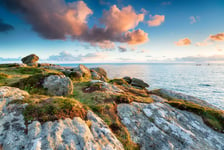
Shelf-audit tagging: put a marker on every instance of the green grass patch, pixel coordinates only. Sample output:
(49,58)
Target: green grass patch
(53,109)
(33,84)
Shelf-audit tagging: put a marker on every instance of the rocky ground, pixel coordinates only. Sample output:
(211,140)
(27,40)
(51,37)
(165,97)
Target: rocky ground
(46,106)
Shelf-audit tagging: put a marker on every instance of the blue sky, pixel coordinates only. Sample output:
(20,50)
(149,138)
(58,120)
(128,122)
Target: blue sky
(178,29)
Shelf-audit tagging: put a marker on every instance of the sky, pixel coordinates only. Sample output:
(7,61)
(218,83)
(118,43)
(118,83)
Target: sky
(113,30)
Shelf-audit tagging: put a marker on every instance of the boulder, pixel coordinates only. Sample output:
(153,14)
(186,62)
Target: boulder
(95,75)
(30,60)
(103,86)
(83,70)
(127,79)
(100,71)
(58,85)
(75,75)
(159,126)
(139,83)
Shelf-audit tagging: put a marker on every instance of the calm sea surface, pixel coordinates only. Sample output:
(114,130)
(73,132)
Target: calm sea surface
(203,81)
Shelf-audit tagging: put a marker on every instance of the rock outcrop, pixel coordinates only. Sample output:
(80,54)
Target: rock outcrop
(159,126)
(98,85)
(58,85)
(139,83)
(98,73)
(83,70)
(62,134)
(30,60)
(177,95)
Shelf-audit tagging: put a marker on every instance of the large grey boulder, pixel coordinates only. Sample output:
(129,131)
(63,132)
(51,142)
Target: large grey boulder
(58,85)
(30,60)
(72,134)
(64,134)
(159,126)
(139,83)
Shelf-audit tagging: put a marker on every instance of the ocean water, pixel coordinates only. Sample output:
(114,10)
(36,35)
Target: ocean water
(204,81)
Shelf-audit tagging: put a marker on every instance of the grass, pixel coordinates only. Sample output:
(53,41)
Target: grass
(104,105)
(108,113)
(51,108)
(212,117)
(3,76)
(33,84)
(118,81)
(14,74)
(9,65)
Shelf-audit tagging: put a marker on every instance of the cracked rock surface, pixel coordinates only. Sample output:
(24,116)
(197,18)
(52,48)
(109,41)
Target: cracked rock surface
(159,126)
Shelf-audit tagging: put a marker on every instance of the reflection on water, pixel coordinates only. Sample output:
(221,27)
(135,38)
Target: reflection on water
(205,81)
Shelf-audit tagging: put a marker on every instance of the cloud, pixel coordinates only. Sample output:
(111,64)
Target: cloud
(122,49)
(156,20)
(121,20)
(194,19)
(68,57)
(183,42)
(204,43)
(136,37)
(108,45)
(56,19)
(52,19)
(144,11)
(64,56)
(217,37)
(4,27)
(94,56)
(213,58)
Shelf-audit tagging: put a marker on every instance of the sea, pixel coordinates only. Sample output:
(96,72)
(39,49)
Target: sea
(204,81)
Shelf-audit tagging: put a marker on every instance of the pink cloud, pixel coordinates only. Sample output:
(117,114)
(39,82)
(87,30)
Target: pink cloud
(121,20)
(56,19)
(183,42)
(217,37)
(136,37)
(204,43)
(108,45)
(156,20)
